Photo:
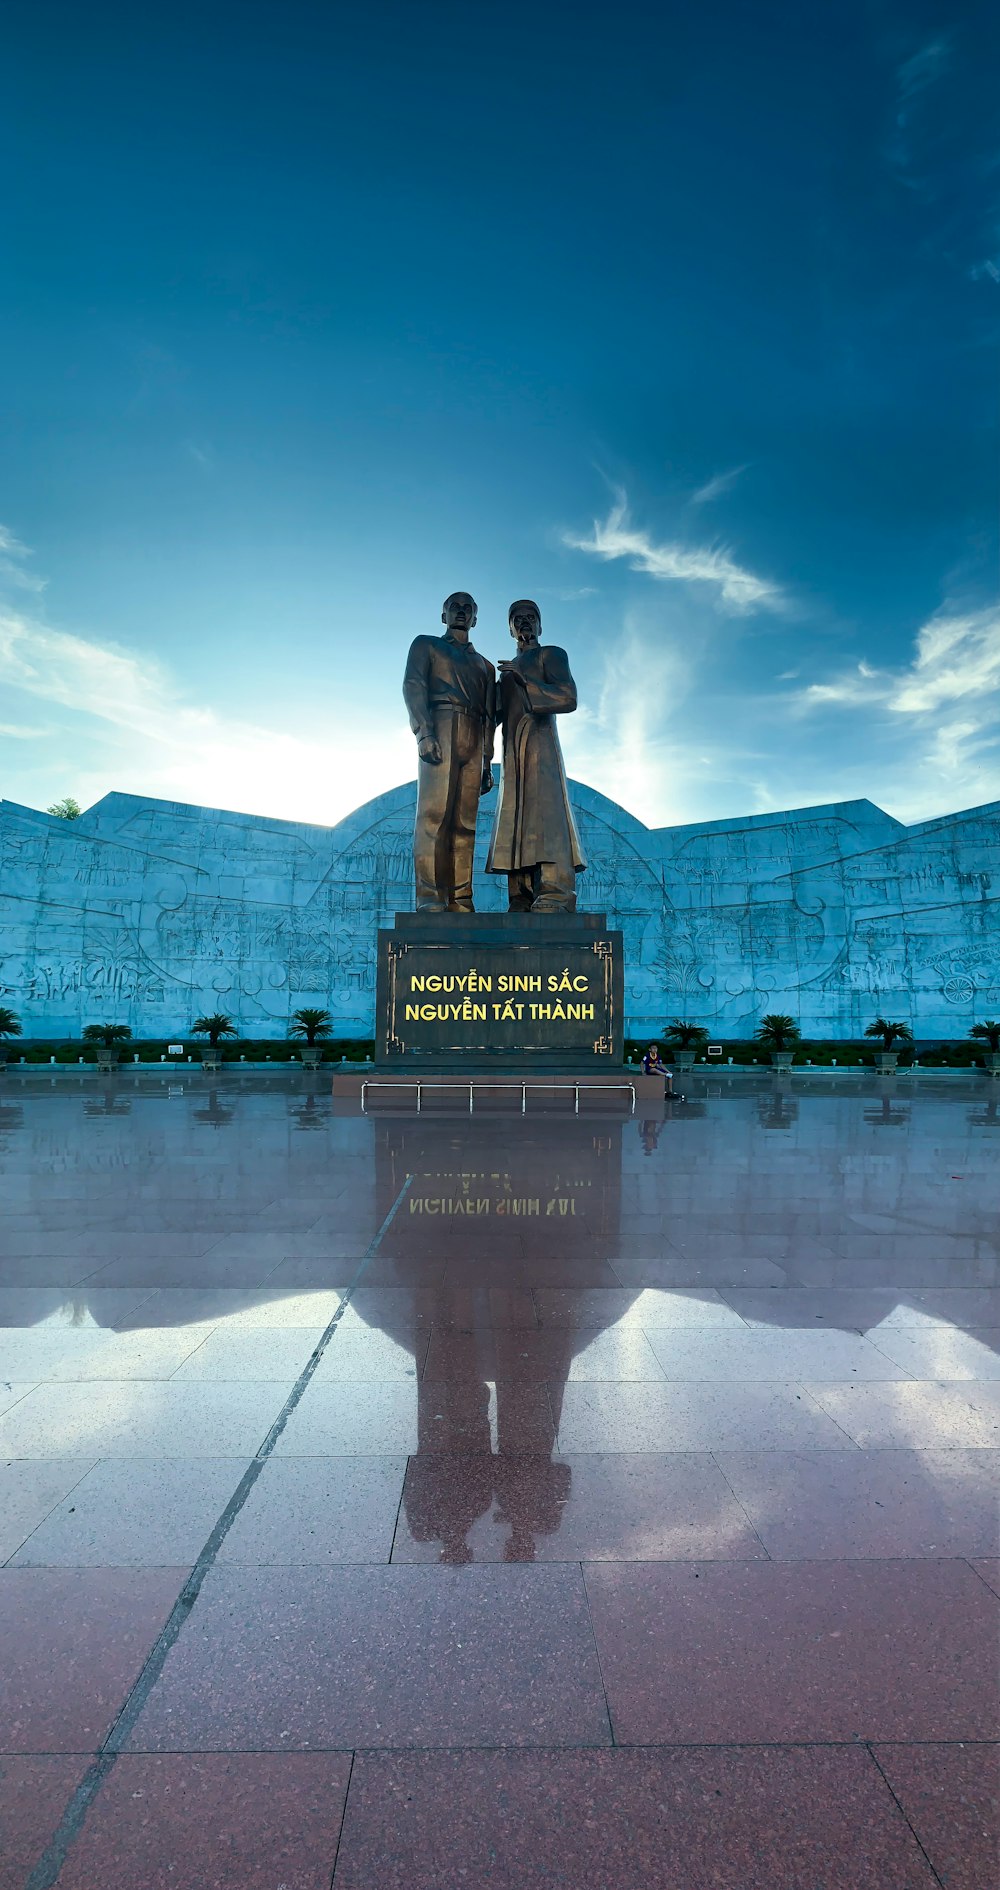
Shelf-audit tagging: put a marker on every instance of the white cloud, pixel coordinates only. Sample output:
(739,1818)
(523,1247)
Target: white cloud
(650,733)
(914,77)
(124,722)
(616,537)
(717,487)
(957,655)
(12,563)
(923,754)
(920,70)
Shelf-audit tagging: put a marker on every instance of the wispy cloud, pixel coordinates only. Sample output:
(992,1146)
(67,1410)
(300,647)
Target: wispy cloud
(119,719)
(564,596)
(914,78)
(956,656)
(126,723)
(930,727)
(650,732)
(717,488)
(23,731)
(13,557)
(737,589)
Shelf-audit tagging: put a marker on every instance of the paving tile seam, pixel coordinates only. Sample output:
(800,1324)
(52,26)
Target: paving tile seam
(395,1527)
(84,1474)
(49,1866)
(714,1456)
(977,1572)
(911,1827)
(597,1654)
(667,1745)
(343,1820)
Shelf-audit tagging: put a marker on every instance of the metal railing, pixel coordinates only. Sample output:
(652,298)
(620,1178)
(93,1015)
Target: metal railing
(421,1084)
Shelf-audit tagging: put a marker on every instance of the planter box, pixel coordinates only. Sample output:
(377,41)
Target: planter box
(886,1061)
(211,1059)
(684,1059)
(992,1062)
(311,1056)
(781,1059)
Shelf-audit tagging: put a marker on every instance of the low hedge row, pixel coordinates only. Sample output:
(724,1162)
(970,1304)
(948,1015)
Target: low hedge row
(251,1049)
(820,1053)
(824,1052)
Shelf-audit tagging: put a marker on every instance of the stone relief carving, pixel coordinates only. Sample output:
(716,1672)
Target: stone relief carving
(152,912)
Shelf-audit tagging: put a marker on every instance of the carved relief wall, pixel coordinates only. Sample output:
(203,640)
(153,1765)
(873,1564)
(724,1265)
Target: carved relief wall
(151,912)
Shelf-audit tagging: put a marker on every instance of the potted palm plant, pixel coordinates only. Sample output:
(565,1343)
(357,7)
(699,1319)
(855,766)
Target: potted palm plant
(308,1026)
(989,1032)
(109,1038)
(214,1027)
(10,1026)
(889,1034)
(779,1035)
(685,1040)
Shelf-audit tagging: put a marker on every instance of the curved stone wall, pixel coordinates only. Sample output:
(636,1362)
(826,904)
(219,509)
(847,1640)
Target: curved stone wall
(151,912)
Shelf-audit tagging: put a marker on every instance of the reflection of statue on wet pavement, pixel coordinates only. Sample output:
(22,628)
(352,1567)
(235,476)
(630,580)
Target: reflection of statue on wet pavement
(527,1491)
(450,692)
(535,841)
(482,1476)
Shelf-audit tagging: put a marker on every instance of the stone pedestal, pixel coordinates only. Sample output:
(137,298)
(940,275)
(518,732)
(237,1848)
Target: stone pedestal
(517,991)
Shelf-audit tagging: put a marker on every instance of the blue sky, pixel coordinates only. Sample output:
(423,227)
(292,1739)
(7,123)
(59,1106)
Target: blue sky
(682,320)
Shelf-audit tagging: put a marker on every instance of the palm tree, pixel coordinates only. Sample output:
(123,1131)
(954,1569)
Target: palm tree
(685,1036)
(985,1033)
(10,1023)
(216,1026)
(67,809)
(889,1033)
(310,1024)
(777,1032)
(107,1034)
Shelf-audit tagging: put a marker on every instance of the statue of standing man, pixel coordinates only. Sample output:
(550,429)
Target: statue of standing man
(535,841)
(450,692)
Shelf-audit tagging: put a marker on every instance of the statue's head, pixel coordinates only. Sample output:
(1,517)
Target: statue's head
(525,620)
(459,611)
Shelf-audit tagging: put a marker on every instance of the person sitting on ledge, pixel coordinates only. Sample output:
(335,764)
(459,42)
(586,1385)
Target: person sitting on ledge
(653,1065)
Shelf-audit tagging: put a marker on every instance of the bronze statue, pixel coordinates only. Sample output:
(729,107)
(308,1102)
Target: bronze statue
(450,692)
(535,841)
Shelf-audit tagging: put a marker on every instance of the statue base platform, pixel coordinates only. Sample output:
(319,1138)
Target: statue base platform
(520,992)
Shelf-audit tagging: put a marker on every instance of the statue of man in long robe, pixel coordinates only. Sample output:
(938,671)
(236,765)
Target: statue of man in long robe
(535,841)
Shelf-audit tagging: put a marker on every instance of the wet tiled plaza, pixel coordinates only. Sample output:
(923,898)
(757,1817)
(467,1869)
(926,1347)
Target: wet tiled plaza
(423,1502)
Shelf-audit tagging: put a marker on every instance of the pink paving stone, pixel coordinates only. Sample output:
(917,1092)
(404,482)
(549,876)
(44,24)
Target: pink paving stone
(34,1793)
(245,1821)
(295,1658)
(800,1818)
(834,1504)
(734,1651)
(951,1797)
(72,1644)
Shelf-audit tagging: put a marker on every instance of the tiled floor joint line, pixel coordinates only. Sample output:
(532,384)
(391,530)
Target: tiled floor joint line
(597,1653)
(907,1821)
(42,1520)
(751,1525)
(343,1821)
(46,1872)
